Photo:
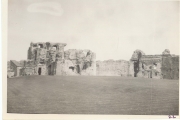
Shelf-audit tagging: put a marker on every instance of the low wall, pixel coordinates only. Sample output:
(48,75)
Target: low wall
(112,68)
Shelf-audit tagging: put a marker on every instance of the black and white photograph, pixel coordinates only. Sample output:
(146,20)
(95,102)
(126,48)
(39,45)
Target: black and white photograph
(93,57)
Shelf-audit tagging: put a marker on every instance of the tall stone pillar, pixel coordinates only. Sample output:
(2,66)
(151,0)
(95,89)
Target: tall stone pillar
(61,50)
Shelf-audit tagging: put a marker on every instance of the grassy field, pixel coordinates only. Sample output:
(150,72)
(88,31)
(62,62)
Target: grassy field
(92,95)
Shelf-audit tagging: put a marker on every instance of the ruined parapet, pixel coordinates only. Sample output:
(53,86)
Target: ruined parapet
(58,48)
(166,52)
(38,45)
(137,55)
(37,52)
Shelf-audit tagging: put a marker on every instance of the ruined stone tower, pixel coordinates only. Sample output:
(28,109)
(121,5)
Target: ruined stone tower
(45,56)
(51,59)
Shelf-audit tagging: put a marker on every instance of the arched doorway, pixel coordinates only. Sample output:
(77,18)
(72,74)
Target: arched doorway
(78,69)
(72,68)
(39,71)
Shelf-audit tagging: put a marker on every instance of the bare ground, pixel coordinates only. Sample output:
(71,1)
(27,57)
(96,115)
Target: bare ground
(92,95)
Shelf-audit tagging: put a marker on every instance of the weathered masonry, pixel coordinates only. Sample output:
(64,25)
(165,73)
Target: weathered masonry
(51,59)
(164,66)
(45,58)
(112,68)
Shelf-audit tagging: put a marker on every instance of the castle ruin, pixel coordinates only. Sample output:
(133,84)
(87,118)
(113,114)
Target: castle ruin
(51,59)
(164,66)
(45,58)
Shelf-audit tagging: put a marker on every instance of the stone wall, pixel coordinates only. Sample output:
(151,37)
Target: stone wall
(175,67)
(77,62)
(51,59)
(66,68)
(170,67)
(112,68)
(27,71)
(164,66)
(58,62)
(131,68)
(150,66)
(41,69)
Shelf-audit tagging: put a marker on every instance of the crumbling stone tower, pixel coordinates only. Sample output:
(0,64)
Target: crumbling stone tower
(55,54)
(37,53)
(45,56)
(51,59)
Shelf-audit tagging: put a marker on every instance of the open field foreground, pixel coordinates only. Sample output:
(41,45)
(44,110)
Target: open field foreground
(92,95)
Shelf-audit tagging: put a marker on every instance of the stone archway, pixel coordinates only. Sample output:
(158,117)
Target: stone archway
(39,70)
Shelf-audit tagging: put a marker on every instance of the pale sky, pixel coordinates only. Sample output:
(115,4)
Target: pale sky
(113,29)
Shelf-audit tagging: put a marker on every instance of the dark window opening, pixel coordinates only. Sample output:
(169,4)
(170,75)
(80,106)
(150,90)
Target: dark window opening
(78,69)
(54,47)
(40,46)
(143,66)
(71,67)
